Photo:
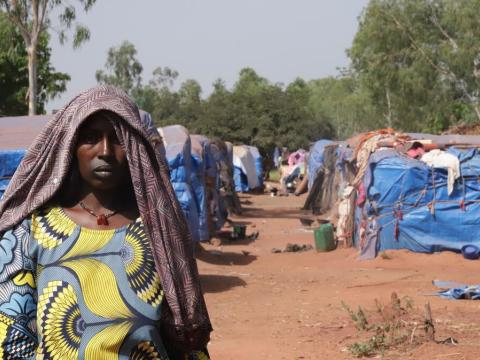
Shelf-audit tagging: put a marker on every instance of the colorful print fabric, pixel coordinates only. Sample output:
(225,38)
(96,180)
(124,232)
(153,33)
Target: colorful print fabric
(68,292)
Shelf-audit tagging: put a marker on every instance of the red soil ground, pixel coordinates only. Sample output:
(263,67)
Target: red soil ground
(288,306)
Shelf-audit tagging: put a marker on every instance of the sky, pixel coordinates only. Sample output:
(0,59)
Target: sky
(210,39)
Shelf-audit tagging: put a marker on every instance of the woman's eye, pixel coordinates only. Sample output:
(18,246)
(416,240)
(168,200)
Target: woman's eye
(114,140)
(89,138)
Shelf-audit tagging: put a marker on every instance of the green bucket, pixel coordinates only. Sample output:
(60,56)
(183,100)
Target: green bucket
(324,238)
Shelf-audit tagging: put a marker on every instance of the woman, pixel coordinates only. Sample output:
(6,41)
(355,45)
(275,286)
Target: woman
(96,259)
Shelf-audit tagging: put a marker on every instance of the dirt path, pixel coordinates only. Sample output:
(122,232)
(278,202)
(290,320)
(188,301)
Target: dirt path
(288,306)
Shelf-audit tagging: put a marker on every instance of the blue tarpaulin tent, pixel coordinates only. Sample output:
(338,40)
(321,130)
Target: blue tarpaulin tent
(248,168)
(408,206)
(201,164)
(178,153)
(315,160)
(9,161)
(16,135)
(258,164)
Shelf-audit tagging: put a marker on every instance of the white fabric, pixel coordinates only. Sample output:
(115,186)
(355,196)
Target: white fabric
(344,212)
(441,159)
(244,159)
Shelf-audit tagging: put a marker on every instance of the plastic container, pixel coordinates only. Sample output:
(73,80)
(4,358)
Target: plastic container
(324,238)
(471,252)
(239,232)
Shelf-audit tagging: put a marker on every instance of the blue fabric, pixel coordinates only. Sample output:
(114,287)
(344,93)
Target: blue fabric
(9,161)
(240,179)
(207,166)
(453,290)
(276,155)
(259,167)
(401,190)
(180,165)
(198,184)
(315,160)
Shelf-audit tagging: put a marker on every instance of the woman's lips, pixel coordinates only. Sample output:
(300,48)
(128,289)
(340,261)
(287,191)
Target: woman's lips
(103,171)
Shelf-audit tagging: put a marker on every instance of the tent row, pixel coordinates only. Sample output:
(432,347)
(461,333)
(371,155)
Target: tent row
(390,190)
(205,173)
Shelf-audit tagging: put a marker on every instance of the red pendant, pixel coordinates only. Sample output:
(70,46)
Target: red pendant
(102,220)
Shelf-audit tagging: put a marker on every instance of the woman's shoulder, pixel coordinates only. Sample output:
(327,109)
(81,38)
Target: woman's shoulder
(51,218)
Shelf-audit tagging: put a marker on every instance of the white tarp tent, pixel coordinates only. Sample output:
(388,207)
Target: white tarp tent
(244,159)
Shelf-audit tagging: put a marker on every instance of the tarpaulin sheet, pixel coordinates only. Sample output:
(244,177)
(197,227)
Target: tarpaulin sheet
(409,206)
(240,179)
(178,154)
(258,164)
(200,158)
(244,159)
(9,161)
(315,160)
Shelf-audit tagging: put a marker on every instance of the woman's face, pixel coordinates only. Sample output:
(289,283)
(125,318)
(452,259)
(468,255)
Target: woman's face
(102,162)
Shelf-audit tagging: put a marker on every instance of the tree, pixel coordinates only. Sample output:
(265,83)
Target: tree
(418,62)
(13,72)
(123,68)
(32,18)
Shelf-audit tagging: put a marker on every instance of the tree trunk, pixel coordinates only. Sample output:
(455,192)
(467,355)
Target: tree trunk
(388,115)
(32,78)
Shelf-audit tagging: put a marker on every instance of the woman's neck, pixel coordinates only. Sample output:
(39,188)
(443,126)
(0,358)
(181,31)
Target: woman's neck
(101,200)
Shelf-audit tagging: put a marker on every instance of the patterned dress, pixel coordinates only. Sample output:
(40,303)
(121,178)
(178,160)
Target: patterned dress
(69,292)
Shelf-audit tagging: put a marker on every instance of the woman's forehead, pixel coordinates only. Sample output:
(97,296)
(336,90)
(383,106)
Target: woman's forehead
(99,121)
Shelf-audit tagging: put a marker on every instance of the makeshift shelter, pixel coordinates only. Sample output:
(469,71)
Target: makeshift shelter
(408,204)
(177,144)
(258,164)
(16,135)
(204,180)
(297,157)
(229,202)
(323,177)
(247,170)
(409,191)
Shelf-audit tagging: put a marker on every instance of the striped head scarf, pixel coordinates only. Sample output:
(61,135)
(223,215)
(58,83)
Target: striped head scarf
(45,169)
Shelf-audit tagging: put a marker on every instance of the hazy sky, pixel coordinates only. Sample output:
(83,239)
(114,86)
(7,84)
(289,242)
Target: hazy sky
(210,39)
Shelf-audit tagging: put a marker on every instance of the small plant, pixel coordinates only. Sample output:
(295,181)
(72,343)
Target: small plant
(390,324)
(358,318)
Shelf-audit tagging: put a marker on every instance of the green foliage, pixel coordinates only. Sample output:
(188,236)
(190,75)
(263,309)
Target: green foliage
(254,111)
(394,326)
(123,68)
(416,61)
(32,19)
(14,73)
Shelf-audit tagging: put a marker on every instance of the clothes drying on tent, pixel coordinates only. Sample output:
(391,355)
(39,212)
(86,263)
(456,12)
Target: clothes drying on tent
(408,204)
(297,157)
(176,140)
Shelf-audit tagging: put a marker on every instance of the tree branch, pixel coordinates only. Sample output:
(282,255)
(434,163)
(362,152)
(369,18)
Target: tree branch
(452,42)
(42,15)
(15,18)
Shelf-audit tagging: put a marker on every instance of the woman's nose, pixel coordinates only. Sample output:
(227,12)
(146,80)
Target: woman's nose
(106,146)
